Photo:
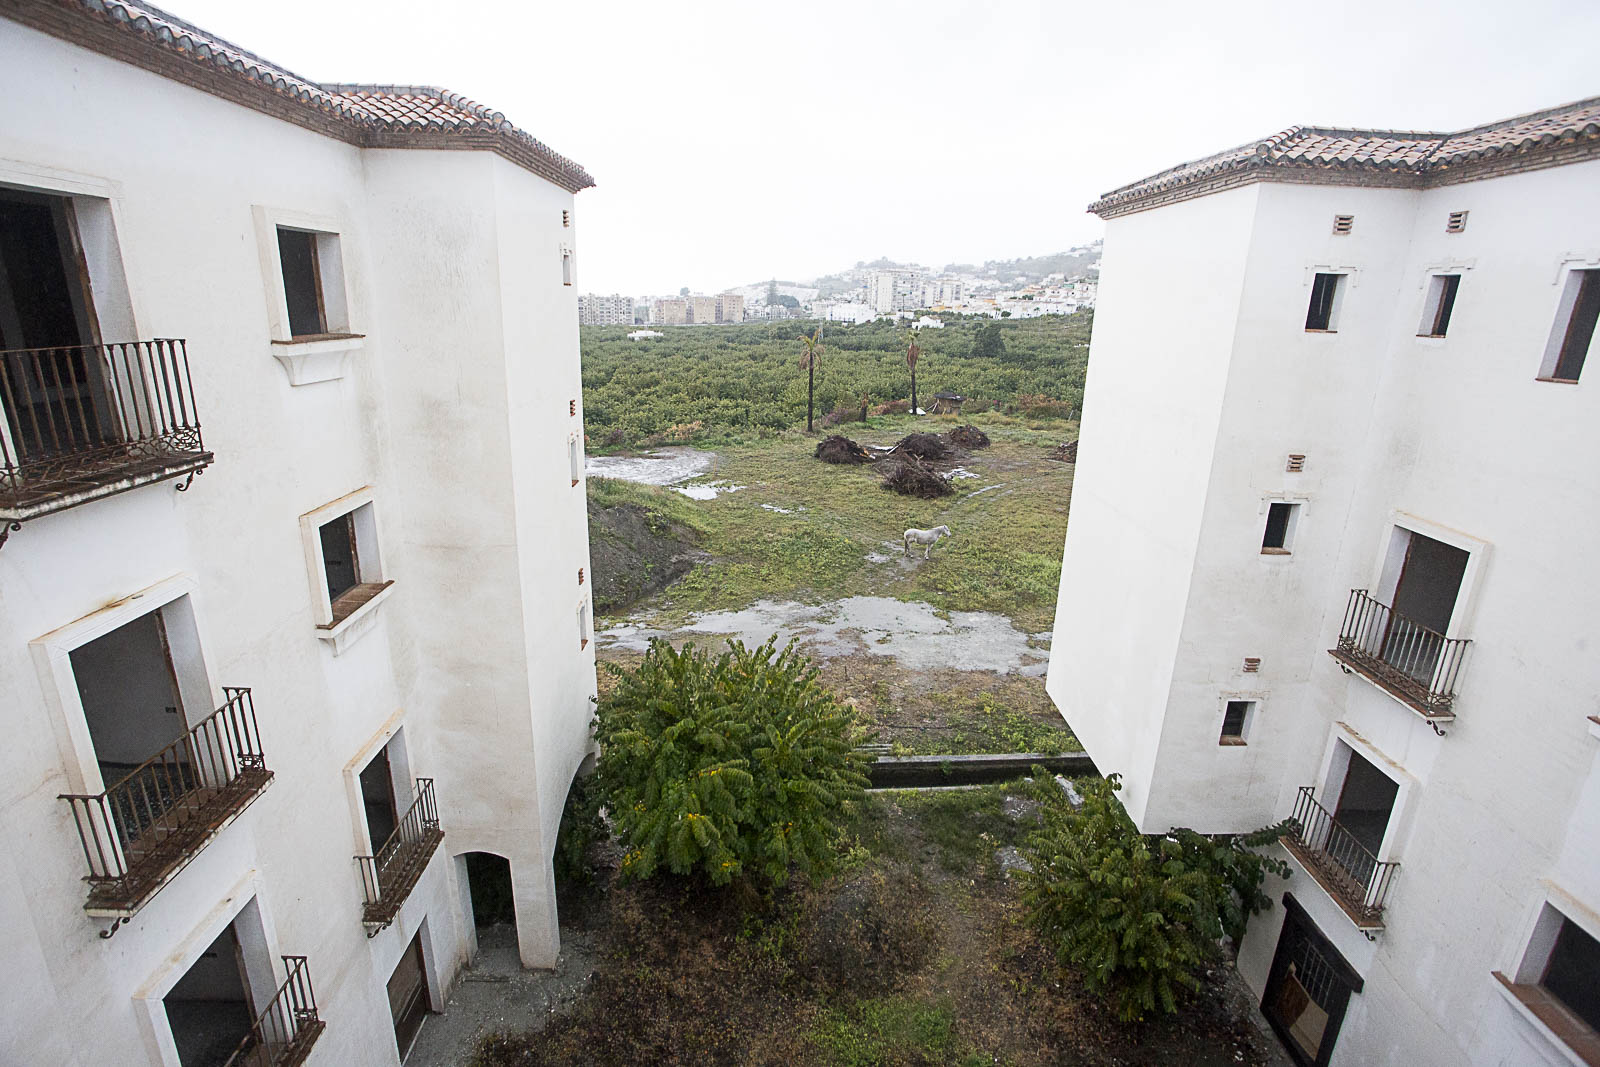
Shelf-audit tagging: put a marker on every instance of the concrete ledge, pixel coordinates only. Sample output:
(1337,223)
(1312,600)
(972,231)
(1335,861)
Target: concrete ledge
(898,772)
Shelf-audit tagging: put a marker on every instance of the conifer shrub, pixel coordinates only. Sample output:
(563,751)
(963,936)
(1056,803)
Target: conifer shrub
(1140,915)
(735,767)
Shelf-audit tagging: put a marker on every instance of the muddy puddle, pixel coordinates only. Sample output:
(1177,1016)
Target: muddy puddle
(914,634)
(666,467)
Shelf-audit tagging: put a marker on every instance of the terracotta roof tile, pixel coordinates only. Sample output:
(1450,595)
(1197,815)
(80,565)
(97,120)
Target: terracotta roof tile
(1405,157)
(390,116)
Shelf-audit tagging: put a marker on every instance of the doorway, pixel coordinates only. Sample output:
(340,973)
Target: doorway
(378,799)
(1308,988)
(210,1008)
(408,996)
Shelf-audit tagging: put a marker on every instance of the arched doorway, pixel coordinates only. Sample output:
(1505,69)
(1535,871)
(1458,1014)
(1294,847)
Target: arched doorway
(485,880)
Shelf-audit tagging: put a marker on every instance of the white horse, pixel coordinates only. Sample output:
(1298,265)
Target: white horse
(926,538)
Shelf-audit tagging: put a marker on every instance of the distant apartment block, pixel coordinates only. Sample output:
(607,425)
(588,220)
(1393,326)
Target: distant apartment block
(701,310)
(596,310)
(1327,563)
(672,311)
(730,308)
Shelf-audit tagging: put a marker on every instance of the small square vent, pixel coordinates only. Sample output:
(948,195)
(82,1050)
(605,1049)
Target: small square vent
(580,575)
(1252,665)
(1296,464)
(572,407)
(1343,223)
(566,219)
(1457,222)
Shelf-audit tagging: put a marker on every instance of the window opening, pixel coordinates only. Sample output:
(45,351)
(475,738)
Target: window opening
(566,266)
(575,459)
(1308,988)
(1573,974)
(210,1010)
(1430,580)
(1575,327)
(131,707)
(1441,302)
(583,623)
(1366,800)
(1324,294)
(339,556)
(377,799)
(1279,532)
(1235,720)
(302,282)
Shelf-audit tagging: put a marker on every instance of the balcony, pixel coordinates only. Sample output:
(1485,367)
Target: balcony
(89,421)
(1417,666)
(1340,863)
(141,831)
(388,878)
(282,1035)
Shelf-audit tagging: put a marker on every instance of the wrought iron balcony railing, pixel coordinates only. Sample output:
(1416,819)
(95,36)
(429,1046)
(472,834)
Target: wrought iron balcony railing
(282,1035)
(1418,666)
(88,421)
(147,826)
(388,878)
(1346,868)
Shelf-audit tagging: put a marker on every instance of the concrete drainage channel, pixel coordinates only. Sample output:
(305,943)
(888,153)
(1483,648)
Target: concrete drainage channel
(926,772)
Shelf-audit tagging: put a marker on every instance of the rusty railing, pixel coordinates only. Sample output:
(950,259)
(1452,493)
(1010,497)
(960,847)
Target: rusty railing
(283,1034)
(80,418)
(151,822)
(1418,665)
(1346,867)
(388,878)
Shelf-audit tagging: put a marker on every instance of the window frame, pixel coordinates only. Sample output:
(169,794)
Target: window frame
(1391,560)
(585,622)
(1343,741)
(402,782)
(370,567)
(1246,722)
(575,457)
(1343,280)
(1444,289)
(1578,279)
(312,358)
(1522,983)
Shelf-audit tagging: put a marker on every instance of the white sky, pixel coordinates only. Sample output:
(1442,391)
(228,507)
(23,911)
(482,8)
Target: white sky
(735,141)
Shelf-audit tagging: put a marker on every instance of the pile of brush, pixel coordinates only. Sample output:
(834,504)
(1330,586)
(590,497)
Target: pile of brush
(1066,453)
(840,449)
(910,476)
(922,446)
(968,437)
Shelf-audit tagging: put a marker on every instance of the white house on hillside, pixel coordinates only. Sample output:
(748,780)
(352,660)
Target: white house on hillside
(295,625)
(1326,561)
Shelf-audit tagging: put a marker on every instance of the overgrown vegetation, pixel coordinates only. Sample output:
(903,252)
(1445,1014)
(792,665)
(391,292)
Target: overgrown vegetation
(740,766)
(729,384)
(1141,916)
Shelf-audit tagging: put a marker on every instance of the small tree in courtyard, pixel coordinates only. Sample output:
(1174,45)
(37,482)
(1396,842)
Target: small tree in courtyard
(738,766)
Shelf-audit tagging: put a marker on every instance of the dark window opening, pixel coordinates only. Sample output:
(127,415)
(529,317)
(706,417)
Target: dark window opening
(1366,800)
(1275,538)
(1573,973)
(130,705)
(1319,316)
(1233,722)
(1430,580)
(1448,284)
(302,282)
(339,559)
(377,798)
(209,1009)
(1580,328)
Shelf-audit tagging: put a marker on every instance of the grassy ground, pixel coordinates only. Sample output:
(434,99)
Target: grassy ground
(1005,556)
(914,955)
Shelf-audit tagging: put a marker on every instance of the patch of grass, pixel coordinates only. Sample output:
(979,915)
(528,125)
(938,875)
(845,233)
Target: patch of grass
(965,826)
(886,1032)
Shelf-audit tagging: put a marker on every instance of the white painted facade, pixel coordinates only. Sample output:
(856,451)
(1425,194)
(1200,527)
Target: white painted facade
(452,416)
(1203,382)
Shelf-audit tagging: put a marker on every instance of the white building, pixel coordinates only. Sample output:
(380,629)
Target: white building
(853,313)
(645,335)
(1326,561)
(386,547)
(597,310)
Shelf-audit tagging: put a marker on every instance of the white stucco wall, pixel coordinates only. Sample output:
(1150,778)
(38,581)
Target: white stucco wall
(454,411)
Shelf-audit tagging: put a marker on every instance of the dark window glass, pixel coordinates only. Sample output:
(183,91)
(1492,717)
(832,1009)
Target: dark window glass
(1320,315)
(1233,718)
(1574,972)
(302,282)
(1447,304)
(339,555)
(1277,526)
(1580,328)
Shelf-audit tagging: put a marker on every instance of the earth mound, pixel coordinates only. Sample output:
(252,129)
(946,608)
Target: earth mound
(968,437)
(840,449)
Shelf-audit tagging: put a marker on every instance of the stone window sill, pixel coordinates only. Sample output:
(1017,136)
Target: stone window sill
(354,613)
(1231,742)
(1558,381)
(319,357)
(1562,1031)
(1275,552)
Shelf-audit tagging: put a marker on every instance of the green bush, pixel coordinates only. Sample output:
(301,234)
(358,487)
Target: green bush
(737,767)
(1140,915)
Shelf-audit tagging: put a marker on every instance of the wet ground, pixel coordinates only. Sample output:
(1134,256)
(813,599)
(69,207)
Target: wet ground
(915,635)
(667,467)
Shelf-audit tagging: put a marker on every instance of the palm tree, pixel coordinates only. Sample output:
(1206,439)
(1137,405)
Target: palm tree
(809,362)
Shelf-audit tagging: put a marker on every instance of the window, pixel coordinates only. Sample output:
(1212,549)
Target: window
(1308,988)
(1282,518)
(566,265)
(345,564)
(1575,327)
(1323,314)
(1558,981)
(575,458)
(1456,223)
(583,623)
(302,282)
(1440,303)
(1343,224)
(1236,717)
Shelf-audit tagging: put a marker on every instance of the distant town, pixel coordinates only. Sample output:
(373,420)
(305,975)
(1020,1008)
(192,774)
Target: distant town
(1059,284)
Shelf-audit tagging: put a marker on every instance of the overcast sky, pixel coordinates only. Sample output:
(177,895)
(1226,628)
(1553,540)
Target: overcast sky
(737,141)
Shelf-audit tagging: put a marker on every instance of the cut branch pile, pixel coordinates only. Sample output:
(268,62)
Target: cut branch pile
(922,446)
(909,476)
(840,449)
(968,437)
(1066,453)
